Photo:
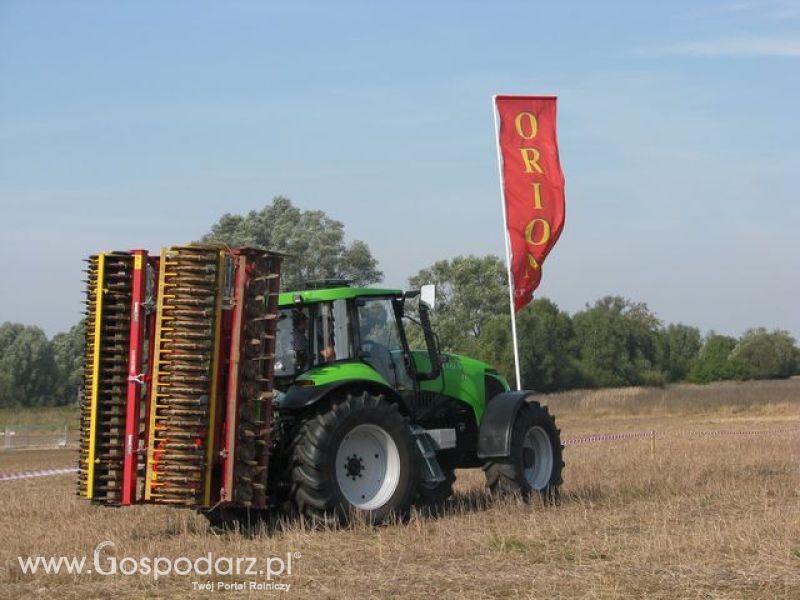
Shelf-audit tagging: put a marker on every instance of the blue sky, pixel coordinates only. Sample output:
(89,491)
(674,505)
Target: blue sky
(139,124)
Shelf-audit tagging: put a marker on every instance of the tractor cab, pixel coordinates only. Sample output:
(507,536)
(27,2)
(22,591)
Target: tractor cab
(329,332)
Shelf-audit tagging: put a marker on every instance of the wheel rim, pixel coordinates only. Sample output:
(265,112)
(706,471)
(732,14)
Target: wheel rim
(367,466)
(537,457)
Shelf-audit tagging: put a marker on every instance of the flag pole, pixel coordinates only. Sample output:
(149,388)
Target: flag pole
(507,240)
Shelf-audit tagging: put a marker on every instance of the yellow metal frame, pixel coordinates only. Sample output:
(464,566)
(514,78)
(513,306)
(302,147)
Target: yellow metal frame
(98,326)
(212,396)
(148,481)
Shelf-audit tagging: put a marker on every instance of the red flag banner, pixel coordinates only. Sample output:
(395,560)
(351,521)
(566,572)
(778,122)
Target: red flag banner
(533,186)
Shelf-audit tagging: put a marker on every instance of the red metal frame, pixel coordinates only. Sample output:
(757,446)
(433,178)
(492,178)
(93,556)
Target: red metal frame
(241,275)
(135,380)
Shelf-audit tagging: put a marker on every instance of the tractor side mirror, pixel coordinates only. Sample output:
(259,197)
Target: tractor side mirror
(428,295)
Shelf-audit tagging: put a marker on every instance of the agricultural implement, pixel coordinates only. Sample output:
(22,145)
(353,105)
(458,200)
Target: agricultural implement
(206,387)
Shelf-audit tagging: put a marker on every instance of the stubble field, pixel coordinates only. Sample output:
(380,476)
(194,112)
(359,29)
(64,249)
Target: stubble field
(704,516)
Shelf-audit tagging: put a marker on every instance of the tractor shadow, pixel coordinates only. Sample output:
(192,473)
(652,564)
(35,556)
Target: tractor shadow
(474,501)
(481,501)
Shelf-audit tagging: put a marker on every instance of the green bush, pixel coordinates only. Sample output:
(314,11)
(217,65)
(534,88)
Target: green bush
(716,362)
(766,355)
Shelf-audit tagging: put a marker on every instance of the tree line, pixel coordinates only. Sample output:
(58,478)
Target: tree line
(613,342)
(37,371)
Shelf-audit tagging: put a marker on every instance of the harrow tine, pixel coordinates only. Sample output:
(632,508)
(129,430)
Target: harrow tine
(106,335)
(184,379)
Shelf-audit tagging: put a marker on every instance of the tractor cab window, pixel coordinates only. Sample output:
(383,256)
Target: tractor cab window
(380,343)
(332,337)
(311,335)
(292,349)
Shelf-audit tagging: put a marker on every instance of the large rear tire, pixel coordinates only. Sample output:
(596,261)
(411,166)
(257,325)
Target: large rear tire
(535,463)
(356,456)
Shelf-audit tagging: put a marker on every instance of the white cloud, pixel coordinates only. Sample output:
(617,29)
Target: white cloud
(745,46)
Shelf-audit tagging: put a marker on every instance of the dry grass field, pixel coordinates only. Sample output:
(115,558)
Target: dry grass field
(52,417)
(704,517)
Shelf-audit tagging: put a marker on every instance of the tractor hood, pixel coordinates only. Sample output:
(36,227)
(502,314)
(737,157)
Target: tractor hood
(467,363)
(462,377)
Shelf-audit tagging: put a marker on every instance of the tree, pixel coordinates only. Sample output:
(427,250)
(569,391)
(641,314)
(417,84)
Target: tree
(678,348)
(616,340)
(547,351)
(8,333)
(27,368)
(715,362)
(496,348)
(470,292)
(68,356)
(766,355)
(312,240)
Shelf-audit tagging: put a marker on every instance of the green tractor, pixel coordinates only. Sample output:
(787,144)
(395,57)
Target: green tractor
(368,425)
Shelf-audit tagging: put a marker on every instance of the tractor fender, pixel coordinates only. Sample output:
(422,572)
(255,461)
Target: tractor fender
(494,438)
(299,398)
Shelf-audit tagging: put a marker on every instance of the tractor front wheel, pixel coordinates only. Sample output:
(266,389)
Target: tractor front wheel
(535,462)
(356,456)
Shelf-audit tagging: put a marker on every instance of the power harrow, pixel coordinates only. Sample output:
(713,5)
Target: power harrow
(178,378)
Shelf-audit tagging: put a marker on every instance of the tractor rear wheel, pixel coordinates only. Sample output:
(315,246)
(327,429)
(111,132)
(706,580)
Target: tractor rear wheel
(535,463)
(355,456)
